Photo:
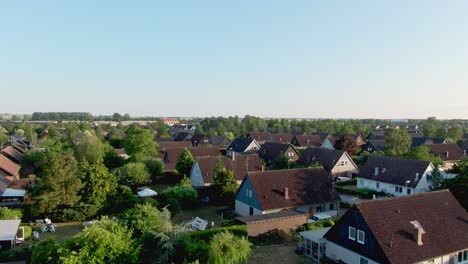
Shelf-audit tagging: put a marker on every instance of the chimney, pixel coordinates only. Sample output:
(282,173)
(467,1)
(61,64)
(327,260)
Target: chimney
(233,155)
(420,231)
(286,193)
(417,177)
(447,154)
(376,171)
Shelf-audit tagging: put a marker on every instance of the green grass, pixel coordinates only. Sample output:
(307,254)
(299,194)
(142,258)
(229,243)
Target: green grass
(276,254)
(63,231)
(159,187)
(204,212)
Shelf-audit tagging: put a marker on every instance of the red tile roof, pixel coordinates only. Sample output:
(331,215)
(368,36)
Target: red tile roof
(9,166)
(13,153)
(171,155)
(446,152)
(240,166)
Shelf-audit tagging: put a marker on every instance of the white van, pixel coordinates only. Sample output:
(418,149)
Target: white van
(319,217)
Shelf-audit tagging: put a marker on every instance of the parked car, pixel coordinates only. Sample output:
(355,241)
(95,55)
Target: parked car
(319,217)
(341,179)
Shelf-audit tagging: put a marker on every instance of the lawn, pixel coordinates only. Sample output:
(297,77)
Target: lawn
(204,212)
(282,253)
(63,231)
(159,187)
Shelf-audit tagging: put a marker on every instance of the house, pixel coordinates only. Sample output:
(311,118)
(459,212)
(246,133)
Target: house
(449,153)
(8,168)
(328,141)
(10,196)
(171,155)
(285,138)
(424,141)
(395,176)
(335,162)
(305,141)
(423,228)
(303,190)
(200,140)
(219,141)
(163,145)
(376,135)
(259,137)
(374,145)
(8,233)
(183,136)
(13,154)
(203,169)
(271,151)
(170,121)
(243,145)
(360,140)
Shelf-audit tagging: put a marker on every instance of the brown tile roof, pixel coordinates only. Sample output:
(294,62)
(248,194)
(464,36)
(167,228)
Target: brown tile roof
(270,151)
(220,141)
(13,153)
(281,137)
(446,151)
(171,155)
(163,145)
(240,166)
(266,217)
(9,166)
(259,136)
(393,170)
(308,140)
(305,186)
(444,221)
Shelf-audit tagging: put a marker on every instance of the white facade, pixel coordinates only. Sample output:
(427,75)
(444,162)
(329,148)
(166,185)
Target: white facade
(397,190)
(243,209)
(337,252)
(196,177)
(344,165)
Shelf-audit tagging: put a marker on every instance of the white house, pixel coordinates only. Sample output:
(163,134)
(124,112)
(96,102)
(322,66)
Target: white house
(395,176)
(242,145)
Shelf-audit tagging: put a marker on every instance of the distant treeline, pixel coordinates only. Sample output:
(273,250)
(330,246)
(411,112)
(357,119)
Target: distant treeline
(62,116)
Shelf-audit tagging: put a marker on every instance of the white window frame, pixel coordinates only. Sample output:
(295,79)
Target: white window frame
(363,237)
(349,233)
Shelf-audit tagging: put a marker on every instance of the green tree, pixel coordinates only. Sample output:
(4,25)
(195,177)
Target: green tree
(398,142)
(431,126)
(139,144)
(3,139)
(229,249)
(155,167)
(224,184)
(89,147)
(161,130)
(281,163)
(185,162)
(134,174)
(423,153)
(158,247)
(47,251)
(60,186)
(106,241)
(99,184)
(144,218)
(435,178)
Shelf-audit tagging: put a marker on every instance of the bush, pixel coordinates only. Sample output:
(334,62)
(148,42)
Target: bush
(27,232)
(185,196)
(194,250)
(15,254)
(206,235)
(364,193)
(10,214)
(155,167)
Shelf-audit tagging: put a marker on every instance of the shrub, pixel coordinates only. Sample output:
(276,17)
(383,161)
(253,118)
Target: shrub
(155,168)
(185,196)
(195,249)
(228,248)
(347,183)
(206,235)
(365,193)
(27,232)
(16,254)
(10,214)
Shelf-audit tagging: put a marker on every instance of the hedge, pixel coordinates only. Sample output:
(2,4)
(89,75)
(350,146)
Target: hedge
(206,235)
(364,193)
(27,232)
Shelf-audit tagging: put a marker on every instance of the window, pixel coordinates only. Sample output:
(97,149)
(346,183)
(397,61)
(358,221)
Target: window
(463,256)
(377,185)
(332,207)
(352,233)
(361,182)
(408,191)
(250,193)
(251,211)
(363,261)
(396,188)
(401,189)
(360,237)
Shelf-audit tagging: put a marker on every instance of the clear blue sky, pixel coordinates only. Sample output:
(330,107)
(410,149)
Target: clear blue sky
(359,59)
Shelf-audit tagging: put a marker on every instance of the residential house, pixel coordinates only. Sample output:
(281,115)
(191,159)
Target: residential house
(170,121)
(8,168)
(395,176)
(259,137)
(163,145)
(284,138)
(360,140)
(200,140)
(271,151)
(219,141)
(374,145)
(303,190)
(10,196)
(449,153)
(328,141)
(183,136)
(14,154)
(305,141)
(203,169)
(171,155)
(335,162)
(423,228)
(243,145)
(424,141)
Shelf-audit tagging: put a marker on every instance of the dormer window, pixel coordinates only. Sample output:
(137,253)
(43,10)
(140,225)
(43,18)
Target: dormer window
(352,233)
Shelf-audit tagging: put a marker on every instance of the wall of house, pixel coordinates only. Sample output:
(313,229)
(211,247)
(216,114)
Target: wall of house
(285,223)
(253,147)
(327,144)
(383,187)
(293,156)
(243,209)
(337,252)
(247,198)
(324,208)
(344,167)
(196,177)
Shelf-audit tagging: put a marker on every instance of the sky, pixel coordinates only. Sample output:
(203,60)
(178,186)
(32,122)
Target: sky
(306,59)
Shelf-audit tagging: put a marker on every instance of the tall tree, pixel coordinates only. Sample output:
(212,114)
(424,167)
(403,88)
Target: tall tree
(347,143)
(224,184)
(431,126)
(184,163)
(398,142)
(229,249)
(60,186)
(134,174)
(144,218)
(89,148)
(423,153)
(139,144)
(99,184)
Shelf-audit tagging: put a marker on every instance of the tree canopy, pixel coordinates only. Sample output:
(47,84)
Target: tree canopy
(185,162)
(139,144)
